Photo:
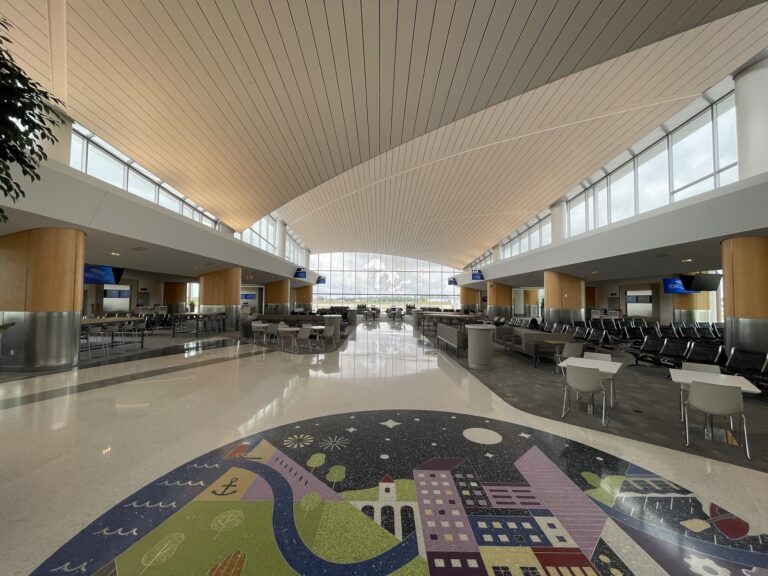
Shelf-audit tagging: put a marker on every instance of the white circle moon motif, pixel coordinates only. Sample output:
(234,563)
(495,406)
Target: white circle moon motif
(384,456)
(482,436)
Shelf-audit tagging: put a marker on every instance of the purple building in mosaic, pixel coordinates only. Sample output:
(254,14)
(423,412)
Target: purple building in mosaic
(509,495)
(580,516)
(448,537)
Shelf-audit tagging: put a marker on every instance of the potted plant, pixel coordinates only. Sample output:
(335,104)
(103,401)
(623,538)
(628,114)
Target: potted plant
(27,116)
(191,306)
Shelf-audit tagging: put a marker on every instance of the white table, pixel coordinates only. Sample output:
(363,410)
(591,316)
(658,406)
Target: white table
(480,350)
(686,377)
(607,369)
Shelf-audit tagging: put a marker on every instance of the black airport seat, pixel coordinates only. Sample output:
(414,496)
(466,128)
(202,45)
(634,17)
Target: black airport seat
(594,339)
(667,332)
(674,351)
(633,334)
(581,333)
(649,351)
(689,332)
(704,353)
(747,363)
(650,331)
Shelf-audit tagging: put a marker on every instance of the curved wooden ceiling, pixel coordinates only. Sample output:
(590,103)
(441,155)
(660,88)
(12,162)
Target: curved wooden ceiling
(248,106)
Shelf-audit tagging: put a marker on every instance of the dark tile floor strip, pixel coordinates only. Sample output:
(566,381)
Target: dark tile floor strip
(119,358)
(85,387)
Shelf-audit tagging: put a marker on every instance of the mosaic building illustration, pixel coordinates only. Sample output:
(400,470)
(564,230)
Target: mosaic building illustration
(412,493)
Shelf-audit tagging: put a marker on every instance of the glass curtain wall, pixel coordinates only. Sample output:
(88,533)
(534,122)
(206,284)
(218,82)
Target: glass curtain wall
(382,280)
(262,234)
(697,157)
(533,236)
(92,155)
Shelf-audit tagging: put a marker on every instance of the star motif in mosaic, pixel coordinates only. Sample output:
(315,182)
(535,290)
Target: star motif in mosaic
(488,455)
(334,443)
(390,423)
(350,430)
(524,435)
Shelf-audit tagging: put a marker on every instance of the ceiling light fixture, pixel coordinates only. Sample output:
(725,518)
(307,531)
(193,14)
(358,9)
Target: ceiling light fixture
(686,260)
(115,253)
(594,271)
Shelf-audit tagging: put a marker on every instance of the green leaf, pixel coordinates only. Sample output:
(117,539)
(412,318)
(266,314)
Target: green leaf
(226,521)
(162,551)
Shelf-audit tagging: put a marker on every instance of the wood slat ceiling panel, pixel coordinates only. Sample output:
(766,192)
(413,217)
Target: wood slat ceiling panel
(391,116)
(29,34)
(452,193)
(267,100)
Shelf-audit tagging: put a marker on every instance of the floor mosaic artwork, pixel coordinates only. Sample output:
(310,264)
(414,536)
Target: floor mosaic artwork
(412,493)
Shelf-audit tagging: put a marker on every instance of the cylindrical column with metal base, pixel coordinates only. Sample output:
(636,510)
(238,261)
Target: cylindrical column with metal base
(480,345)
(220,294)
(745,276)
(563,297)
(41,293)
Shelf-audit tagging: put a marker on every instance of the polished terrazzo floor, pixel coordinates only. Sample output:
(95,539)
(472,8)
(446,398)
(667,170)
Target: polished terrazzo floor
(136,477)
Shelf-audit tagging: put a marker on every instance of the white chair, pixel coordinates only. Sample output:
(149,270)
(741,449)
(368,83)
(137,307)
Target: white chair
(603,358)
(570,350)
(716,400)
(258,328)
(271,332)
(585,380)
(328,332)
(694,367)
(283,332)
(304,335)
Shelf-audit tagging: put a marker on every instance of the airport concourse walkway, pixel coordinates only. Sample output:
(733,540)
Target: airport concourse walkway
(385,456)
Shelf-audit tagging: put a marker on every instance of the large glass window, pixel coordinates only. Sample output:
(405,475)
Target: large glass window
(653,177)
(384,280)
(98,158)
(622,187)
(141,186)
(77,152)
(725,113)
(577,216)
(105,167)
(601,202)
(692,151)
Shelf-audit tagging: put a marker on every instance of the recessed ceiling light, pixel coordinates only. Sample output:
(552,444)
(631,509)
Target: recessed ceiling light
(594,272)
(115,253)
(686,260)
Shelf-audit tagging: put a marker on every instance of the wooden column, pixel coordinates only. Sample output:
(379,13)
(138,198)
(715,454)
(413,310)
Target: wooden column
(745,277)
(499,299)
(221,288)
(41,292)
(277,296)
(304,295)
(41,270)
(175,296)
(563,297)
(220,293)
(469,297)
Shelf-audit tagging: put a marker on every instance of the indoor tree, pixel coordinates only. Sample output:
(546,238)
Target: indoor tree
(27,116)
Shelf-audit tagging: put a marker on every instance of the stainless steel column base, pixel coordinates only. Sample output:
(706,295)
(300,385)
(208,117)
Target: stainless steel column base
(40,340)
(746,334)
